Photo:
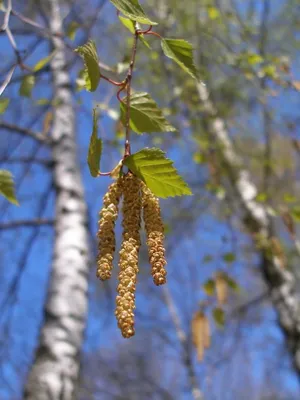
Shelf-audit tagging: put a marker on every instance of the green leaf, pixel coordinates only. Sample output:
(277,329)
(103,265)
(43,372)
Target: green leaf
(7,188)
(229,257)
(89,54)
(4,102)
(157,172)
(133,10)
(261,197)
(213,13)
(27,85)
(42,102)
(72,29)
(145,116)
(289,198)
(295,211)
(181,52)
(95,148)
(209,287)
(44,61)
(129,24)
(233,284)
(219,317)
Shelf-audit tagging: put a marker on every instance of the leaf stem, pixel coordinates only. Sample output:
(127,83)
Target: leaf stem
(146,31)
(112,81)
(128,87)
(152,33)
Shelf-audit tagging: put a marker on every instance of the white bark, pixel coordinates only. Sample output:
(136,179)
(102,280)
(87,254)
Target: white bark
(55,370)
(280,282)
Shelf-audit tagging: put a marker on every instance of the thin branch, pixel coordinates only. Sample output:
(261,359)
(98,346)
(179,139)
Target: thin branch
(6,16)
(7,79)
(128,80)
(197,395)
(26,224)
(23,131)
(27,160)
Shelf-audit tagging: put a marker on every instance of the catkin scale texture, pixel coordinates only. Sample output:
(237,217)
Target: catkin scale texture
(129,252)
(155,235)
(106,235)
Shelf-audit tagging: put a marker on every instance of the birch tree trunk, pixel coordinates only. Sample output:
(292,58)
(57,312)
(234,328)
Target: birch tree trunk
(55,370)
(280,282)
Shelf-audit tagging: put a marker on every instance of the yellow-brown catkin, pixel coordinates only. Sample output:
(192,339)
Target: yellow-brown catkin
(200,333)
(221,288)
(129,253)
(155,235)
(106,232)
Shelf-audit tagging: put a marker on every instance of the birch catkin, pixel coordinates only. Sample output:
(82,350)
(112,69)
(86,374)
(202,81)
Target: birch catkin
(155,235)
(106,233)
(129,252)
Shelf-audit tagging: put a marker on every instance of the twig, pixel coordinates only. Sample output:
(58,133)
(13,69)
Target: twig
(128,86)
(6,16)
(23,131)
(197,395)
(26,223)
(7,79)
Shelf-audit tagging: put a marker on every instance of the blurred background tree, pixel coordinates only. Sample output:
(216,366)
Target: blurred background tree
(237,146)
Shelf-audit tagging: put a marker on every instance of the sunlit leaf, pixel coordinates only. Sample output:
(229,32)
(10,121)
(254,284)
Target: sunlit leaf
(145,116)
(72,29)
(158,173)
(133,10)
(27,85)
(7,187)
(89,54)
(209,287)
(4,102)
(181,52)
(44,61)
(219,317)
(95,148)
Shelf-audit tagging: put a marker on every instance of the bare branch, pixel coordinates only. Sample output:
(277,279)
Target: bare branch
(26,224)
(7,79)
(23,131)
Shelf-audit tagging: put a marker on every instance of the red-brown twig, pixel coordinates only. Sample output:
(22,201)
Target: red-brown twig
(128,87)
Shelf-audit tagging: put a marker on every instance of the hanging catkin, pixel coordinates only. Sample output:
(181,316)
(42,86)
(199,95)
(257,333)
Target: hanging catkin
(155,235)
(106,233)
(129,252)
(200,333)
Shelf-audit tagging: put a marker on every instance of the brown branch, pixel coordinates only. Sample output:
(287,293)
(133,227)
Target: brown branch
(128,80)
(23,131)
(182,337)
(26,223)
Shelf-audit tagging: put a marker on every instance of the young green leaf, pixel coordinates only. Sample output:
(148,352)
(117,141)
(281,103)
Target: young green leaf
(209,287)
(7,188)
(219,317)
(4,102)
(95,148)
(72,29)
(133,10)
(229,257)
(181,52)
(157,172)
(27,85)
(44,61)
(89,54)
(129,24)
(145,116)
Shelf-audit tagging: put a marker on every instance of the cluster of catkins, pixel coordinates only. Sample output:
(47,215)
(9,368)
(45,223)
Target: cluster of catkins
(137,200)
